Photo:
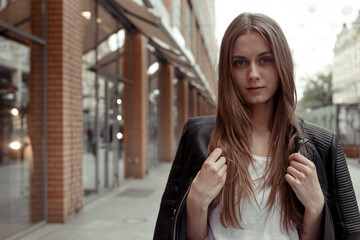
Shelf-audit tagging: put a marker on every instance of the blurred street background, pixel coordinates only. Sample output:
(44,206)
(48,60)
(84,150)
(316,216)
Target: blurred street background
(129,212)
(94,95)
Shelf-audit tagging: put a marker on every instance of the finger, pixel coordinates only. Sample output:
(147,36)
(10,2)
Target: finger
(299,166)
(300,158)
(305,166)
(295,173)
(220,162)
(214,155)
(223,170)
(222,173)
(290,179)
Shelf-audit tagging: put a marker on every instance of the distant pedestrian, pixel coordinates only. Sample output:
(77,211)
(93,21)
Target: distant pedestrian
(89,134)
(256,170)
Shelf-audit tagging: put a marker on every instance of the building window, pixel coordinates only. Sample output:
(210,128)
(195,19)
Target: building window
(176,13)
(21,117)
(19,14)
(103,47)
(154,96)
(188,25)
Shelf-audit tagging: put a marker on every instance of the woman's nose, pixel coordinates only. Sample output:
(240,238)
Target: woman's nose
(253,72)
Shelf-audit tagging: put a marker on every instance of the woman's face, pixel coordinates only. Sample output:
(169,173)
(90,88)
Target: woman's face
(254,69)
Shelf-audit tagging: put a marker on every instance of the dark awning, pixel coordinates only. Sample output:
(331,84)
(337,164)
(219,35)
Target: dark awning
(11,14)
(143,20)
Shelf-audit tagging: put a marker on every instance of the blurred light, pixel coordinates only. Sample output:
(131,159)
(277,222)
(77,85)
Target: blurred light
(119,117)
(153,96)
(14,112)
(119,135)
(86,15)
(121,37)
(98,20)
(113,42)
(153,68)
(156,92)
(8,96)
(15,145)
(119,101)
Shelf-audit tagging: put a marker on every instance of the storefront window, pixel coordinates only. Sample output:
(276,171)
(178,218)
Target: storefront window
(119,132)
(89,146)
(176,114)
(154,92)
(176,13)
(103,46)
(188,25)
(19,14)
(21,138)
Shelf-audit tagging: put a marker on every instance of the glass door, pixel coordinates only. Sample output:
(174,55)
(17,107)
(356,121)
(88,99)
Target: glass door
(103,47)
(154,93)
(89,132)
(110,133)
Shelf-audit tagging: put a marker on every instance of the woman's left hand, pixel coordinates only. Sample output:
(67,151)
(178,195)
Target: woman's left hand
(303,179)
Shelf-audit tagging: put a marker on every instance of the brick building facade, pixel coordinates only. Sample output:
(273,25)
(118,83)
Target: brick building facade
(94,92)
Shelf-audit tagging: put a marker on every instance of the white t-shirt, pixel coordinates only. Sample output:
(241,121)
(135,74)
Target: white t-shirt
(257,223)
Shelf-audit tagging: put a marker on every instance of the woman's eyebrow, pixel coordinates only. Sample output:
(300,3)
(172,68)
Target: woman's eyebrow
(265,53)
(260,54)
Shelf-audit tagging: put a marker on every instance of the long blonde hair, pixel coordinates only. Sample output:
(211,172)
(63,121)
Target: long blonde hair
(233,127)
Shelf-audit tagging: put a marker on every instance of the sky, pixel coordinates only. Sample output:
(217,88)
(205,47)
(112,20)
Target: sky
(310,26)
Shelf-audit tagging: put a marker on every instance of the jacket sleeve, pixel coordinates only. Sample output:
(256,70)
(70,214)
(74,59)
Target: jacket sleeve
(168,200)
(344,208)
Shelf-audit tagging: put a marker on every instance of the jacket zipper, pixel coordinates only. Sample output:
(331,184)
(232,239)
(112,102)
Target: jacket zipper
(176,211)
(302,143)
(182,202)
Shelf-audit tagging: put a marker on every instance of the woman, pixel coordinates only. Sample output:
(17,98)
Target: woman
(256,170)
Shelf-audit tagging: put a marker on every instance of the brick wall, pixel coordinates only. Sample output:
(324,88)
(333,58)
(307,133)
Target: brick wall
(193,102)
(64,110)
(183,105)
(135,65)
(166,115)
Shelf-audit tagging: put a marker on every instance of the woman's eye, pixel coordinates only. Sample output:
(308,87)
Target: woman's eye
(266,60)
(239,63)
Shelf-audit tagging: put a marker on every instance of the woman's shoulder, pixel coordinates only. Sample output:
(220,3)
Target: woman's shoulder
(202,120)
(194,124)
(314,129)
(318,135)
(199,129)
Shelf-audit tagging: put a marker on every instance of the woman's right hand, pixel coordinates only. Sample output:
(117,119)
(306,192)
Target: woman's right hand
(209,180)
(205,187)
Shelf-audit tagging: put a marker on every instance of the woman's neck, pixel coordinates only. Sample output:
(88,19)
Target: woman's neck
(261,116)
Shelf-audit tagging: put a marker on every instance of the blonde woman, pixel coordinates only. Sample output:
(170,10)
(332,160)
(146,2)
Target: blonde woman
(256,170)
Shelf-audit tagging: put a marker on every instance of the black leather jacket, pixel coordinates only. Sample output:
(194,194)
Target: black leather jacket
(341,218)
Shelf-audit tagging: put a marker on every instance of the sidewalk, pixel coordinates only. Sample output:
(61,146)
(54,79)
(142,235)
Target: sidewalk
(354,162)
(128,212)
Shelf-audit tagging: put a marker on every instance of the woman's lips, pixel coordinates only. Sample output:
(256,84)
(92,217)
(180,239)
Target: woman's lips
(255,89)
